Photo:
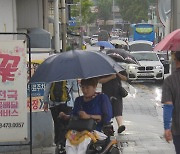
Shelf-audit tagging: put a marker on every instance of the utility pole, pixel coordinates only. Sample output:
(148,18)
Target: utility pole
(63,24)
(175,16)
(113,15)
(81,33)
(167,23)
(56,25)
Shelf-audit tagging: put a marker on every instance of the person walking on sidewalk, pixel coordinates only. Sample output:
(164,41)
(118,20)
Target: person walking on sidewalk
(58,97)
(102,49)
(171,107)
(110,87)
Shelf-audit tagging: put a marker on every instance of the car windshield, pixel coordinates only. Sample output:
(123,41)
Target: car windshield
(145,56)
(140,47)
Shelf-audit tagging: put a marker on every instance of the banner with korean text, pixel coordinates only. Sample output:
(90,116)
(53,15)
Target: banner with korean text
(13,91)
(38,88)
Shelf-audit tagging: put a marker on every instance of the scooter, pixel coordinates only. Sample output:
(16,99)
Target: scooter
(107,146)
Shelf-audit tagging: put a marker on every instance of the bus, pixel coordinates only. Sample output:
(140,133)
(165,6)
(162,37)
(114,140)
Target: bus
(142,31)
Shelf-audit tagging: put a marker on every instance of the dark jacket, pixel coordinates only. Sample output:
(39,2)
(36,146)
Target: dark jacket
(111,88)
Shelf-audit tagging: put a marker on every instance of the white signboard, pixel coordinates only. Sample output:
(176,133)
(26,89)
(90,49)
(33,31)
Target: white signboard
(13,91)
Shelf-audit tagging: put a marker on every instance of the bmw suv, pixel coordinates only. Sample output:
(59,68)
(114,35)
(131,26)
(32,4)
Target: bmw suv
(149,68)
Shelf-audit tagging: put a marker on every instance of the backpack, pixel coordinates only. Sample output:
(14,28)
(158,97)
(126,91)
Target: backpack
(59,92)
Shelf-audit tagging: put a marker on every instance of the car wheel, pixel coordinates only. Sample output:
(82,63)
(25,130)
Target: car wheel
(114,150)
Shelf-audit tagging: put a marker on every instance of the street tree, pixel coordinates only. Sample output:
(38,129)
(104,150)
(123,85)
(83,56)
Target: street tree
(133,11)
(104,10)
(82,10)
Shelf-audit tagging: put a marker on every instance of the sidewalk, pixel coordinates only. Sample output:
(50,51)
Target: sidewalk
(143,120)
(144,128)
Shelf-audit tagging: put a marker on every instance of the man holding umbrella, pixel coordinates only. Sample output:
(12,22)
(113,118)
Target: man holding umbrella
(171,108)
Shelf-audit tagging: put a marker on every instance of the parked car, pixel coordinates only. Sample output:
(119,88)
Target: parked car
(87,39)
(94,39)
(149,68)
(164,58)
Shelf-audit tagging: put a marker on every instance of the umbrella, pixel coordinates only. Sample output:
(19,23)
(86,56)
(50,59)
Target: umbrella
(106,44)
(170,42)
(75,65)
(131,60)
(122,55)
(119,42)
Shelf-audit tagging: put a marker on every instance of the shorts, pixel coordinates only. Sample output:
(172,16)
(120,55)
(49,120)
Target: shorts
(117,107)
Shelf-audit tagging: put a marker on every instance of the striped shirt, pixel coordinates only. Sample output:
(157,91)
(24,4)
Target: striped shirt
(171,93)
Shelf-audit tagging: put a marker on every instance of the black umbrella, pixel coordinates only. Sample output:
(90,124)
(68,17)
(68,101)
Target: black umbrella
(116,57)
(131,60)
(75,65)
(121,55)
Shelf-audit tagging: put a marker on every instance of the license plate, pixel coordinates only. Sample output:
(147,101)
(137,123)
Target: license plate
(144,74)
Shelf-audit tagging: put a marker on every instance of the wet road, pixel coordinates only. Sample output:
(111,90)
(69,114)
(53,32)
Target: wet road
(152,89)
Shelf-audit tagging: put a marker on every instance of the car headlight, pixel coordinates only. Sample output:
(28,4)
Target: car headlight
(158,67)
(132,67)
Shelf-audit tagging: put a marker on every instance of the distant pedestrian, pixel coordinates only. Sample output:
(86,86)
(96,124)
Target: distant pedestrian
(58,97)
(171,107)
(102,49)
(110,87)
(118,46)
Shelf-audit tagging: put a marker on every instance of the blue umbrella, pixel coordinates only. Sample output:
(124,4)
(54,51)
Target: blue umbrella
(106,44)
(75,65)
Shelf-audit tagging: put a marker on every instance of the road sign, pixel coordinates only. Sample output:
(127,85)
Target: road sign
(72,21)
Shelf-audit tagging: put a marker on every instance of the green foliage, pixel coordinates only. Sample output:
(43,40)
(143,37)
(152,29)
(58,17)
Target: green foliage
(134,11)
(68,48)
(152,1)
(104,9)
(86,11)
(84,8)
(92,17)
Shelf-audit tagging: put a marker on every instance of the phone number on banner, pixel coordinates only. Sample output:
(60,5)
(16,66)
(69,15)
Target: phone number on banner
(12,125)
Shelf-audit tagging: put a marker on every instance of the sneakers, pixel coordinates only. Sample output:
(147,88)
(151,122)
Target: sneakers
(121,129)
